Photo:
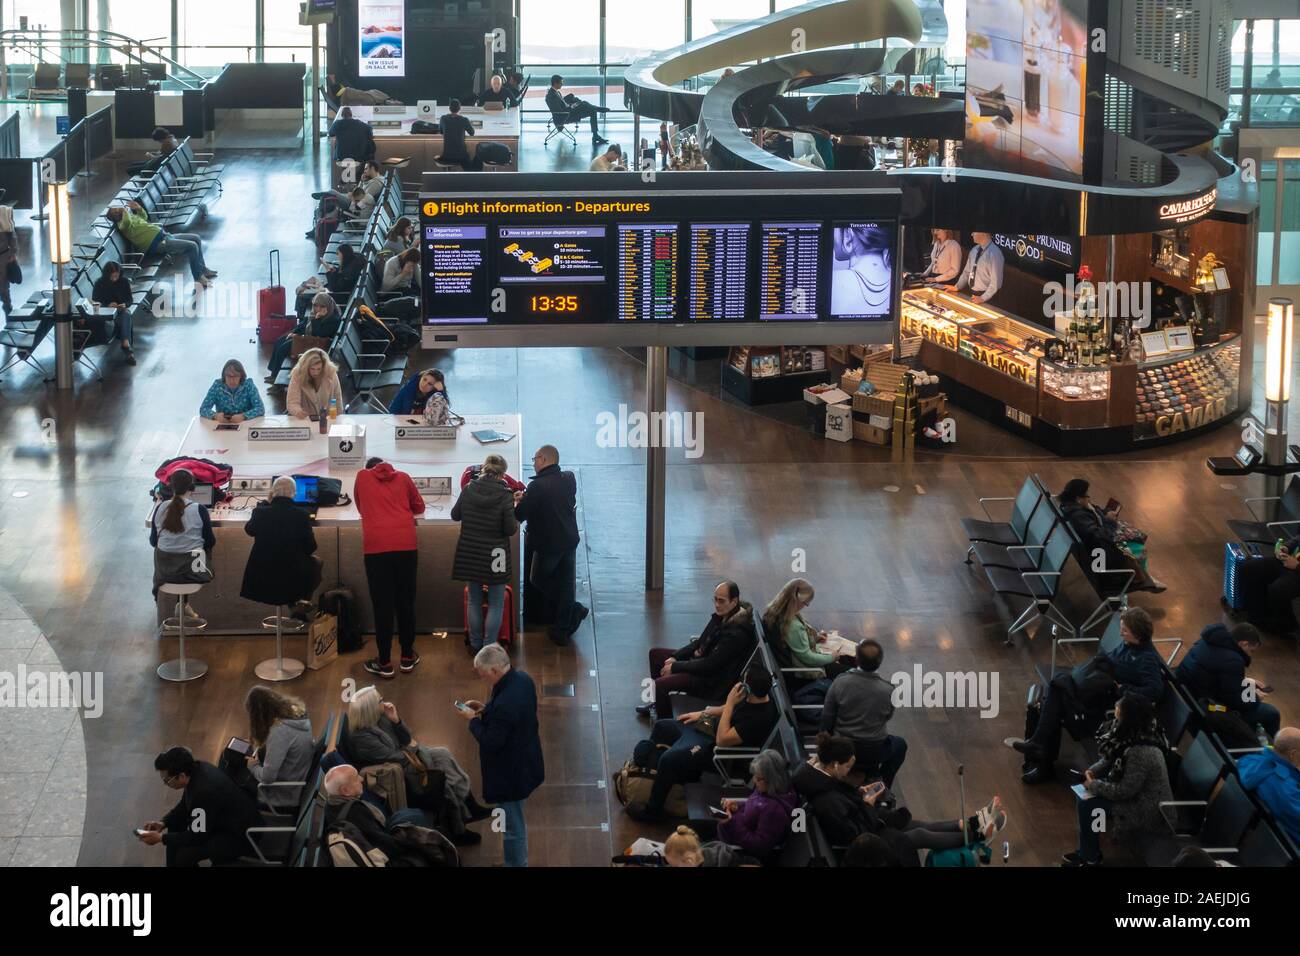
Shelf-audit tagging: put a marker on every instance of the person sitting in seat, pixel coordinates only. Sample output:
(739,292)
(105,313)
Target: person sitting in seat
(180,532)
(1273,775)
(610,161)
(1269,585)
(1099,530)
(313,385)
(400,237)
(282,568)
(794,643)
(232,398)
(376,734)
(132,220)
(514,89)
(323,322)
(1126,785)
(341,277)
(876,850)
(845,811)
(745,720)
(1214,671)
(454,129)
(415,394)
(710,665)
(402,274)
(348,800)
(858,706)
(1083,696)
(495,92)
(112,290)
(760,822)
(371,180)
(280,732)
(684,849)
(568,108)
(210,796)
(167,144)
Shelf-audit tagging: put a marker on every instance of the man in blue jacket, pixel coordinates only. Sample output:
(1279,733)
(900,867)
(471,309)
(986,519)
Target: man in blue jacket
(549,506)
(1090,690)
(1274,775)
(1215,670)
(509,746)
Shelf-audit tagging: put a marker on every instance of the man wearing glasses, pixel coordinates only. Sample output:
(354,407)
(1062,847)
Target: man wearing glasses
(549,507)
(209,821)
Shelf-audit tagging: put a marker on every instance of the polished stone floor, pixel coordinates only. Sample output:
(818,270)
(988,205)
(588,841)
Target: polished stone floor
(882,543)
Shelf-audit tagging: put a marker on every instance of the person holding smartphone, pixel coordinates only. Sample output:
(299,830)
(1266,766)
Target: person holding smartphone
(207,794)
(1269,584)
(1124,548)
(760,822)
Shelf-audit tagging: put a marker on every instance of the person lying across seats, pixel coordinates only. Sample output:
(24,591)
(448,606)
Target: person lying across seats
(845,811)
(683,848)
(746,719)
(709,666)
(132,220)
(1126,786)
(376,734)
(1081,698)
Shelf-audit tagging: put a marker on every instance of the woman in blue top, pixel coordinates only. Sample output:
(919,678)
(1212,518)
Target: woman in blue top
(181,534)
(232,398)
(412,397)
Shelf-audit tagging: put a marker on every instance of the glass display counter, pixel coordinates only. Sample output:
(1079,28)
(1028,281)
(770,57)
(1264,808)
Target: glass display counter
(1186,391)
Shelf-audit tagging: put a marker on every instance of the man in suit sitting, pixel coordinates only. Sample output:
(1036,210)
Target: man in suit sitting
(573,110)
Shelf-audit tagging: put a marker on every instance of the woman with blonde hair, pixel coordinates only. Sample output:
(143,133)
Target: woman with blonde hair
(376,734)
(486,511)
(280,731)
(794,642)
(683,848)
(313,382)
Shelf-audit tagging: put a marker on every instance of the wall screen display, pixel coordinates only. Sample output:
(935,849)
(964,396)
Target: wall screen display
(493,261)
(1025,86)
(381,38)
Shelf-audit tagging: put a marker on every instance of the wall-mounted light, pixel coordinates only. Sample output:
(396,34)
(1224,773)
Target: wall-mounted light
(60,213)
(1277,358)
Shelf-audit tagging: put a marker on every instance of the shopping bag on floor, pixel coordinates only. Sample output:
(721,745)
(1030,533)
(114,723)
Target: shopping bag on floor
(322,640)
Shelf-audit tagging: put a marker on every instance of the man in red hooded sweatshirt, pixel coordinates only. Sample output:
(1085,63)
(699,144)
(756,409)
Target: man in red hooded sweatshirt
(389,503)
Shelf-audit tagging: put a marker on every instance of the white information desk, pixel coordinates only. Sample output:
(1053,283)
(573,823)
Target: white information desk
(439,603)
(394,139)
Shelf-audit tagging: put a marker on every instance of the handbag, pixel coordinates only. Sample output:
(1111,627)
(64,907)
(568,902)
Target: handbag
(14,272)
(299,343)
(422,782)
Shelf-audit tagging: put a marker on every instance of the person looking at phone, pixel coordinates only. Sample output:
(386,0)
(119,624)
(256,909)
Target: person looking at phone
(845,811)
(1214,671)
(760,822)
(1123,546)
(232,397)
(1127,784)
(208,795)
(509,745)
(1269,584)
(709,666)
(341,277)
(112,290)
(745,719)
(858,706)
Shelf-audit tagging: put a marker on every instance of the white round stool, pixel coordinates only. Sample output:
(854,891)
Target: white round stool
(280,668)
(183,668)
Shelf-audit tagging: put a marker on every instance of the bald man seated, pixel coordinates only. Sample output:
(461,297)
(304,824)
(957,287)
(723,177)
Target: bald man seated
(1274,775)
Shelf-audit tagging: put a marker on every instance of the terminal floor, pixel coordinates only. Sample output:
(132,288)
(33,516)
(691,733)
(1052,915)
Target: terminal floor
(881,540)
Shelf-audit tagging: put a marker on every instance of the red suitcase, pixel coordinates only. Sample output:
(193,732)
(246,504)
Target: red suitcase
(506,634)
(271,320)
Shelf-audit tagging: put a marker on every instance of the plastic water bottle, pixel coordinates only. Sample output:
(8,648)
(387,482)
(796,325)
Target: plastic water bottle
(334,408)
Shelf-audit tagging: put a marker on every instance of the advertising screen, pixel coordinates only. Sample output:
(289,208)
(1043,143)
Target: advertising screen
(862,270)
(381,38)
(1026,80)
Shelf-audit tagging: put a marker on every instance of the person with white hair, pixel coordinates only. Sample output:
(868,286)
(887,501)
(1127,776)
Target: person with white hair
(282,567)
(510,747)
(348,801)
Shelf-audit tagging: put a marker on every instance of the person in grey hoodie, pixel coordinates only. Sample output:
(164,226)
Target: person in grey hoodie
(280,731)
(858,706)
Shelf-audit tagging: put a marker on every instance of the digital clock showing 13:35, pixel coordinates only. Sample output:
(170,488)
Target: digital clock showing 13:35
(553,303)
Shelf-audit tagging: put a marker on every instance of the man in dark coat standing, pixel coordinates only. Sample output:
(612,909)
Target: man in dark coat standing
(282,568)
(709,666)
(510,748)
(549,506)
(485,510)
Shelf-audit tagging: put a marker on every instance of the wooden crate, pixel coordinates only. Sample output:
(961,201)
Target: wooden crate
(838,353)
(864,431)
(850,380)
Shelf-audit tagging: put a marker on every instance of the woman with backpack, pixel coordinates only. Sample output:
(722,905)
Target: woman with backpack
(180,532)
(486,512)
(1125,786)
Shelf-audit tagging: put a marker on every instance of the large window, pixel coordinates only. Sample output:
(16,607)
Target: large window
(634,28)
(566,33)
(214,34)
(711,16)
(286,41)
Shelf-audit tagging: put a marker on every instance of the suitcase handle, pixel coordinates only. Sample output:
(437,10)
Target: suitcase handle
(274,257)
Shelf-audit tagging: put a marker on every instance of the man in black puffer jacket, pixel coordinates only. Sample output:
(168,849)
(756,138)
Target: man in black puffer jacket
(709,666)
(485,510)
(1214,670)
(549,508)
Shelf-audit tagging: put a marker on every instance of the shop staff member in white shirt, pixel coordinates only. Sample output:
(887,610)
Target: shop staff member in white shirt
(945,258)
(983,272)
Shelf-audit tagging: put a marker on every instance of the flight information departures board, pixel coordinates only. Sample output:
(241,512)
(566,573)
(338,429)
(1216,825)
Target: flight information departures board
(563,264)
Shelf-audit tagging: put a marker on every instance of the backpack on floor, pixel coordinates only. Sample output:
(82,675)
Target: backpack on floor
(633,783)
(342,604)
(349,847)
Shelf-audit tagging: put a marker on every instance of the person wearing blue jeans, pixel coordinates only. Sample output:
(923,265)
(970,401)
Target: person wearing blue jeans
(496,594)
(188,245)
(515,837)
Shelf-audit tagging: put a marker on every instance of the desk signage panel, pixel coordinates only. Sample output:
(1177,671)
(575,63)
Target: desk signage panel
(279,433)
(426,432)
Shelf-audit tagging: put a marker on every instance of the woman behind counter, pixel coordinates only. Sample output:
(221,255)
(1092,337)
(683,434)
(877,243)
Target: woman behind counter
(413,396)
(313,383)
(232,398)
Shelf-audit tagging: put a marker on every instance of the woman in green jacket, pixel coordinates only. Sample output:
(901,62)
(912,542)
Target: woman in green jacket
(793,640)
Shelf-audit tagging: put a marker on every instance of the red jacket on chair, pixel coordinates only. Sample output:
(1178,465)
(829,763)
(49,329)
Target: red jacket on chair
(388,502)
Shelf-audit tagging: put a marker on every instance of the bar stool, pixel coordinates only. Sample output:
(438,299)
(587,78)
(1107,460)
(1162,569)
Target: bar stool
(280,668)
(183,668)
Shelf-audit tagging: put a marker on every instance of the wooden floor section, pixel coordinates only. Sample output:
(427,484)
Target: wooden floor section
(883,547)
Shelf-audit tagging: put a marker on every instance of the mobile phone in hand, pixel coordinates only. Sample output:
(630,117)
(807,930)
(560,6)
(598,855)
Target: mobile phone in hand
(462,706)
(874,788)
(718,812)
(1113,505)
(139,831)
